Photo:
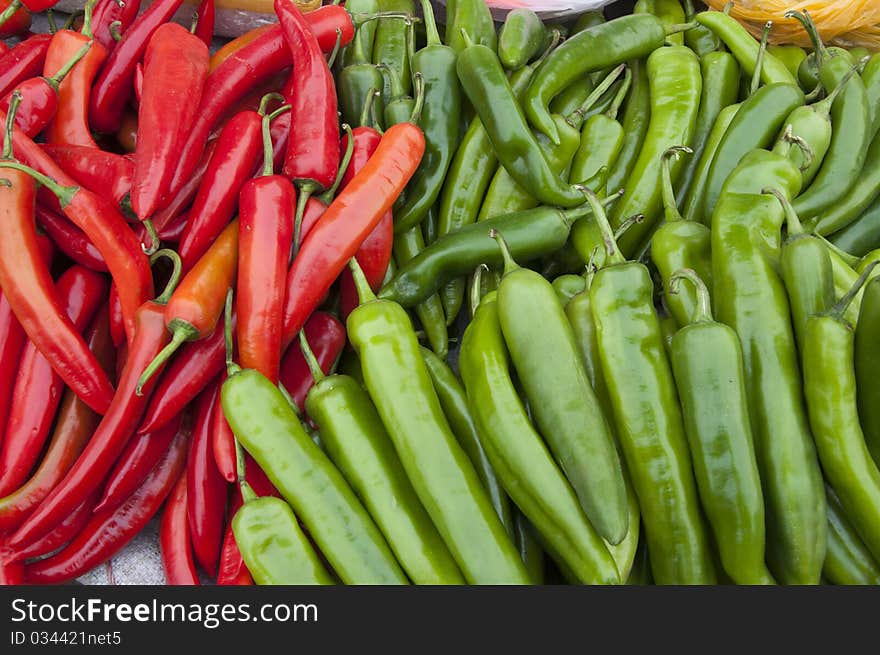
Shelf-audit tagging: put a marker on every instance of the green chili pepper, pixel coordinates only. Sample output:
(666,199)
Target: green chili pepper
(744,47)
(862,235)
(808,71)
(529,233)
(408,246)
(791,56)
(546,358)
(675,82)
(453,400)
(848,561)
(850,140)
(520,457)
(488,89)
(391,46)
(679,244)
(529,549)
(568,286)
(273,545)
(669,11)
(597,48)
(647,417)
(708,365)
(264,423)
(439,121)
(750,297)
(355,83)
(720,74)
(520,38)
(871,79)
(867,357)
(365,33)
(474,17)
(357,443)
(587,20)
(444,479)
(430,227)
(401,106)
(636,117)
(830,388)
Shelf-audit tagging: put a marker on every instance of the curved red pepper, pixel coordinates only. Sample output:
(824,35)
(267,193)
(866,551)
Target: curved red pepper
(30,291)
(71,526)
(23,62)
(223,443)
(348,221)
(99,171)
(173,231)
(245,69)
(18,23)
(175,68)
(280,131)
(12,340)
(117,321)
(234,159)
(188,374)
(122,12)
(205,15)
(71,240)
(174,538)
(135,463)
(185,194)
(206,495)
(73,428)
(109,531)
(326,336)
(111,436)
(38,388)
(113,86)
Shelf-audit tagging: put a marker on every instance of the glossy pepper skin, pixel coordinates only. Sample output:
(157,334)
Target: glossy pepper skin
(692,208)
(439,120)
(108,12)
(486,85)
(848,561)
(635,120)
(353,436)
(867,356)
(474,17)
(862,235)
(429,311)
(565,407)
(98,171)
(520,38)
(444,479)
(830,388)
(750,297)
(707,362)
(264,423)
(648,421)
(23,62)
(391,46)
(174,540)
(519,456)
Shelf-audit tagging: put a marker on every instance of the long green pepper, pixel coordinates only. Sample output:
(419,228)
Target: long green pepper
(636,117)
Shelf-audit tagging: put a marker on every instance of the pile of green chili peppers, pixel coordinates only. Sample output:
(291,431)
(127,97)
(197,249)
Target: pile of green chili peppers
(632,329)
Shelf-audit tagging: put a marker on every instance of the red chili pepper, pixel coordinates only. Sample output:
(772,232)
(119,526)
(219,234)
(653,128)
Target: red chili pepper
(138,83)
(71,240)
(106,228)
(280,130)
(245,69)
(265,237)
(126,135)
(11,570)
(38,388)
(115,429)
(3,48)
(174,539)
(119,14)
(173,231)
(117,321)
(348,221)
(73,428)
(223,443)
(326,336)
(109,531)
(71,526)
(232,163)
(206,495)
(70,124)
(12,341)
(23,62)
(184,196)
(175,68)
(375,252)
(30,291)
(312,159)
(204,28)
(186,376)
(14,18)
(36,6)
(113,86)
(195,306)
(99,171)
(135,463)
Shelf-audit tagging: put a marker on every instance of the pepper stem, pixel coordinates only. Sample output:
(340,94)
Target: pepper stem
(689,11)
(268,151)
(824,106)
(809,155)
(50,18)
(628,223)
(555,38)
(840,308)
(591,268)
(9,128)
(806,20)
(576,117)
(703,310)
(181,332)
(612,252)
(56,80)
(63,193)
(477,287)
(247,492)
(433,36)
(10,11)
(509,264)
(621,94)
(335,52)
(791,218)
(231,367)
(311,360)
(87,18)
(114,30)
(305,191)
(759,60)
(364,292)
(468,41)
(670,206)
(419,83)
(266,99)
(580,211)
(359,55)
(680,27)
(369,102)
(171,285)
(154,237)
(327,196)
